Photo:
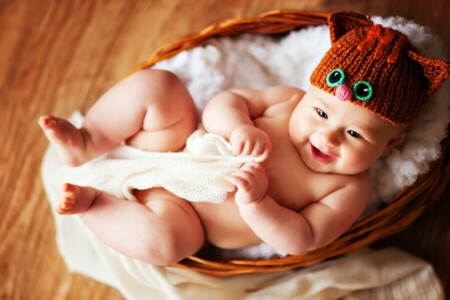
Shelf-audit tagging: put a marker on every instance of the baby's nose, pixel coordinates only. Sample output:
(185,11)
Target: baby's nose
(330,139)
(344,92)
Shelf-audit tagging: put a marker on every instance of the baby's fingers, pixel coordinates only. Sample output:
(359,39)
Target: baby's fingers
(253,168)
(242,147)
(239,183)
(241,179)
(265,152)
(237,146)
(248,148)
(257,148)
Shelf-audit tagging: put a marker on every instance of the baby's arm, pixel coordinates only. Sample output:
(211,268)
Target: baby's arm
(297,232)
(231,114)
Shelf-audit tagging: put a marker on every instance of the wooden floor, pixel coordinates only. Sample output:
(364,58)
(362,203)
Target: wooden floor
(60,56)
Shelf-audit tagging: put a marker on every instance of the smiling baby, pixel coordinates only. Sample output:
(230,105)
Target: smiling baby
(308,180)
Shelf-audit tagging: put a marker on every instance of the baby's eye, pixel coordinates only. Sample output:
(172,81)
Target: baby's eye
(335,77)
(322,113)
(354,134)
(362,90)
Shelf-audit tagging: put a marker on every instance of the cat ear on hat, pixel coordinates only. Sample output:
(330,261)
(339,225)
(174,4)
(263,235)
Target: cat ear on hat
(435,70)
(343,21)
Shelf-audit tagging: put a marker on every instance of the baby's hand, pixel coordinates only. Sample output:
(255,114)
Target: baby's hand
(251,141)
(251,182)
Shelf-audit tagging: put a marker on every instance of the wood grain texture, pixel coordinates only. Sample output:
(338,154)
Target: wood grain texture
(60,56)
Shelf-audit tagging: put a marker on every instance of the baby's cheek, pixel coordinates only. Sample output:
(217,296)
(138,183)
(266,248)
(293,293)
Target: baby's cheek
(295,131)
(358,161)
(305,127)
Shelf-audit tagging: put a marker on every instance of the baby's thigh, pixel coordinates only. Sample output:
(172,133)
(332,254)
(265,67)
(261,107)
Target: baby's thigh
(179,219)
(166,98)
(170,113)
(149,100)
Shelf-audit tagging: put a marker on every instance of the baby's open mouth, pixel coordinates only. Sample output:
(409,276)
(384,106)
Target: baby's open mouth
(320,156)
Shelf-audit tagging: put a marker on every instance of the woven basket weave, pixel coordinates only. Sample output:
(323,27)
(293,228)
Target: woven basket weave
(402,210)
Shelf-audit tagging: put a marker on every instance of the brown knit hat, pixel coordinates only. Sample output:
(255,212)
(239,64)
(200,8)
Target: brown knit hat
(376,67)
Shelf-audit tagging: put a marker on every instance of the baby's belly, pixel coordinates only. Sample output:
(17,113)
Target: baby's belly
(224,226)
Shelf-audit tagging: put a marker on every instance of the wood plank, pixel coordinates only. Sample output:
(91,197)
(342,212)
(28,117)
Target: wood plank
(60,56)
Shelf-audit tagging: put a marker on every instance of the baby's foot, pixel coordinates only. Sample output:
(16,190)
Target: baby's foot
(75,199)
(68,140)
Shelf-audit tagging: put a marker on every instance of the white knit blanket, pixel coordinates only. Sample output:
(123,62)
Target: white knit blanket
(197,174)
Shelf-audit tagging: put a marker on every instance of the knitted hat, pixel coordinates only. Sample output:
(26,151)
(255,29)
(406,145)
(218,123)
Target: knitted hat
(377,68)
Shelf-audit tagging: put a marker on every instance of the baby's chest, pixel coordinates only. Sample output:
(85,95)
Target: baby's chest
(291,183)
(294,185)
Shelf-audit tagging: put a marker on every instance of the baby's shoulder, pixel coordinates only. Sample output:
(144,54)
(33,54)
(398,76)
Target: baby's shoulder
(283,99)
(283,92)
(349,191)
(358,184)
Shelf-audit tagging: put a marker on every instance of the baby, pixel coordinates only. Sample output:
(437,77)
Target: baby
(308,182)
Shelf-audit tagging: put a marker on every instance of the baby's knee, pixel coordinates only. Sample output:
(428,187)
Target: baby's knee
(171,248)
(178,233)
(164,92)
(153,80)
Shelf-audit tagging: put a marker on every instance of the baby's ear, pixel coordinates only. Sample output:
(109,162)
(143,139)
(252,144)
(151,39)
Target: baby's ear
(394,142)
(435,70)
(343,21)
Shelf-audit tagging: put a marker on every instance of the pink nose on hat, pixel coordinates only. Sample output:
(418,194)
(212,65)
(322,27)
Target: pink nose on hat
(343,92)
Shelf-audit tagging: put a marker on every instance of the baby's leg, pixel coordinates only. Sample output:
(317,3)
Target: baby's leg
(150,109)
(163,231)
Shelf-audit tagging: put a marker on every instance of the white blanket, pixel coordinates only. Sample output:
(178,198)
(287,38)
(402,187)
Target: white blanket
(196,174)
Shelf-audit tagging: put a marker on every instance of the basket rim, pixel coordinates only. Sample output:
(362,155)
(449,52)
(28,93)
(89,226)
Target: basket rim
(274,17)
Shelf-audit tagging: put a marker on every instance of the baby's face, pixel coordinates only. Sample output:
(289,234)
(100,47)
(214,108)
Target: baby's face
(334,136)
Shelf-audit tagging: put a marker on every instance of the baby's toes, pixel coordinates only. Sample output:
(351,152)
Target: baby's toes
(64,205)
(46,122)
(67,200)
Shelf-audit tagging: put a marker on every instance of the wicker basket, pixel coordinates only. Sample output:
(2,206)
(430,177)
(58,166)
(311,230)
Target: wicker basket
(402,210)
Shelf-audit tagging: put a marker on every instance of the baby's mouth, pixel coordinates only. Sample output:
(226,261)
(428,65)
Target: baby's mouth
(320,156)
